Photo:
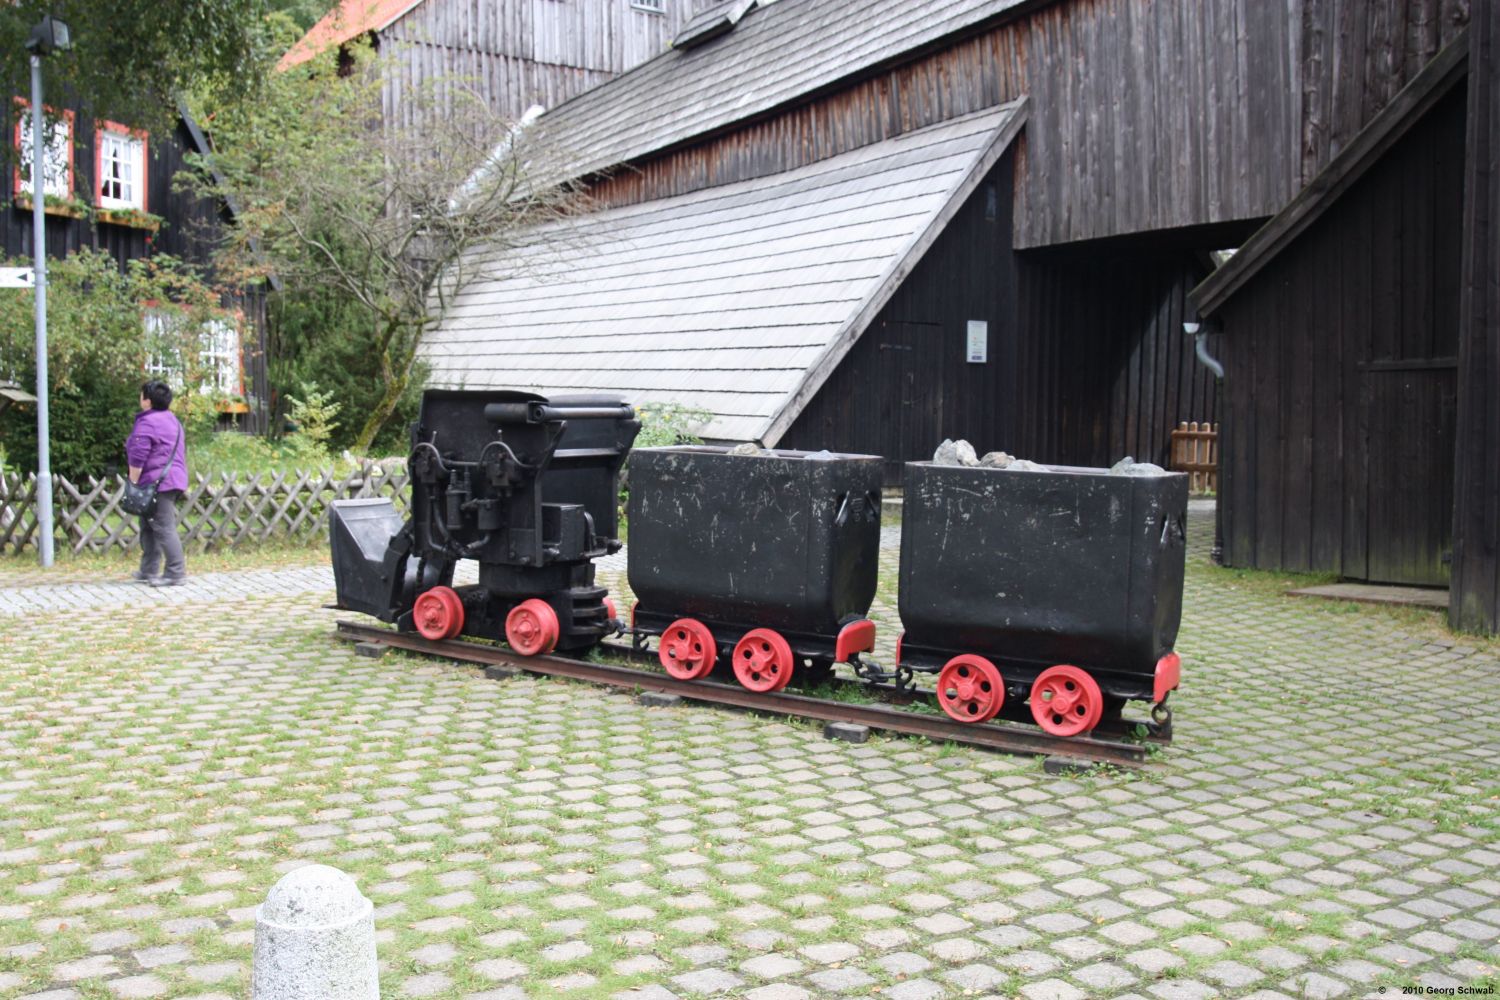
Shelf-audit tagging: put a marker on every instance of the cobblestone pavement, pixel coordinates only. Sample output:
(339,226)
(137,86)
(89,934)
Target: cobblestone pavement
(1324,826)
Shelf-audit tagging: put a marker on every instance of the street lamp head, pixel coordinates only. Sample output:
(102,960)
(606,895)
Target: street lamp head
(50,35)
(1190,328)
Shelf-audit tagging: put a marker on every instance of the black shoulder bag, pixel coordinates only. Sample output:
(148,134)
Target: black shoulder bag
(140,498)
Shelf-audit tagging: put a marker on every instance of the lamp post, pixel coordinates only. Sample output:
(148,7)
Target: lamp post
(50,35)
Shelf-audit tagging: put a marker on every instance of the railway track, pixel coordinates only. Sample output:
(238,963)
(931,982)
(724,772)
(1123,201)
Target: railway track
(1004,738)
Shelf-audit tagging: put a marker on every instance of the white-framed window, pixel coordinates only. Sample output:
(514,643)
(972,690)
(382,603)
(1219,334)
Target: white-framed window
(57,155)
(162,358)
(219,360)
(655,6)
(121,161)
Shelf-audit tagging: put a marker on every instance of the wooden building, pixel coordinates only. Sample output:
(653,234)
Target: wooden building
(1350,356)
(1039,310)
(1474,590)
(1112,88)
(514,53)
(110,187)
(1340,346)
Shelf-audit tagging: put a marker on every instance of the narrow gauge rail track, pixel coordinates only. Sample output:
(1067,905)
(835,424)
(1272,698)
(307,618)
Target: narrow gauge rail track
(988,736)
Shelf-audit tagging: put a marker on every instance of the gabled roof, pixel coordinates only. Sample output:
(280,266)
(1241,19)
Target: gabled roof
(778,53)
(348,19)
(711,22)
(740,299)
(1366,149)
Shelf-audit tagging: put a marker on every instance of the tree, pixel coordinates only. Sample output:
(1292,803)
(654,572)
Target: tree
(302,13)
(398,218)
(98,344)
(133,59)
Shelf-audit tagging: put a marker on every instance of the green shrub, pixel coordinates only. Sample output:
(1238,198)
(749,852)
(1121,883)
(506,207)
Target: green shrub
(97,346)
(89,420)
(666,424)
(320,339)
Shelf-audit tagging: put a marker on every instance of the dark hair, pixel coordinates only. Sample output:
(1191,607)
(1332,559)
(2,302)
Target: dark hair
(159,393)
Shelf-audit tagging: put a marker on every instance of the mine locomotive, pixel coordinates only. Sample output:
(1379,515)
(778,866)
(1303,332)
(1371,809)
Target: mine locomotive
(1051,595)
(526,486)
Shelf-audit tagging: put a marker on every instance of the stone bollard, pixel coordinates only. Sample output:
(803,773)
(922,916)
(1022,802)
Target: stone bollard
(315,940)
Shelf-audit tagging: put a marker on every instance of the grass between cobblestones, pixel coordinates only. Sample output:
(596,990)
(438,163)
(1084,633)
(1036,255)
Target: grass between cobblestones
(1326,823)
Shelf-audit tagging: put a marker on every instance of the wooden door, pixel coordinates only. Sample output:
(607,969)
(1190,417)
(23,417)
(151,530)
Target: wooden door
(1410,413)
(910,392)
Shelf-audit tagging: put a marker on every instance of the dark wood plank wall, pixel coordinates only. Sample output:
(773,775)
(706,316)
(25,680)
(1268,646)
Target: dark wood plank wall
(971,75)
(1144,115)
(516,53)
(1104,369)
(190,230)
(1086,356)
(1333,352)
(1355,55)
(1474,598)
(1156,115)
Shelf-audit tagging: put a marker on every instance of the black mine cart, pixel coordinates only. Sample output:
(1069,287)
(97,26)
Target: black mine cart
(1060,587)
(763,565)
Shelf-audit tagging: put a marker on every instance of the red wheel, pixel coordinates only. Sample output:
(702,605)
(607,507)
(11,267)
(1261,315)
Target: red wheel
(1066,701)
(786,675)
(969,689)
(687,650)
(531,627)
(438,613)
(763,660)
(609,609)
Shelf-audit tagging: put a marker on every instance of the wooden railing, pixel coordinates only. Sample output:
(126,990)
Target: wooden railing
(215,512)
(1195,450)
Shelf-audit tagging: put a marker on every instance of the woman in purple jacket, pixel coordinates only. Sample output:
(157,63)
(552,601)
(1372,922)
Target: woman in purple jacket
(156,452)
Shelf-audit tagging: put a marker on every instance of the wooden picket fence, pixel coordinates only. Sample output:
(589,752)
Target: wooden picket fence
(221,511)
(1195,450)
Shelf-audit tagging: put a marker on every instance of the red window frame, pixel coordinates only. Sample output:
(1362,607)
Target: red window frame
(100,128)
(17,189)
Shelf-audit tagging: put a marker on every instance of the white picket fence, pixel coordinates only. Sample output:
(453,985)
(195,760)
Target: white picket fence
(221,511)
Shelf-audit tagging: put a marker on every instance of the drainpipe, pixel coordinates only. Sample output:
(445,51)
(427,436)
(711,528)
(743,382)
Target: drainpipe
(1195,330)
(1200,348)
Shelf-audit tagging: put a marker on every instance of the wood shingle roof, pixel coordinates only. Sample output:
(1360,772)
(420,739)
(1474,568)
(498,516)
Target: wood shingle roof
(738,299)
(777,53)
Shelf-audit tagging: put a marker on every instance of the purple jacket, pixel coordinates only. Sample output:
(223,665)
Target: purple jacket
(149,448)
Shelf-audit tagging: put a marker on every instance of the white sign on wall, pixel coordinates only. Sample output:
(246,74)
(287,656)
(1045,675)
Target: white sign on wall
(979,341)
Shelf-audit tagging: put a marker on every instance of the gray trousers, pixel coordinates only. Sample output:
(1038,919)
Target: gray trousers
(159,538)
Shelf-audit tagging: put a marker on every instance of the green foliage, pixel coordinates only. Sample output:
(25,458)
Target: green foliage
(90,418)
(666,424)
(302,14)
(131,60)
(369,223)
(318,336)
(313,414)
(245,454)
(97,345)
